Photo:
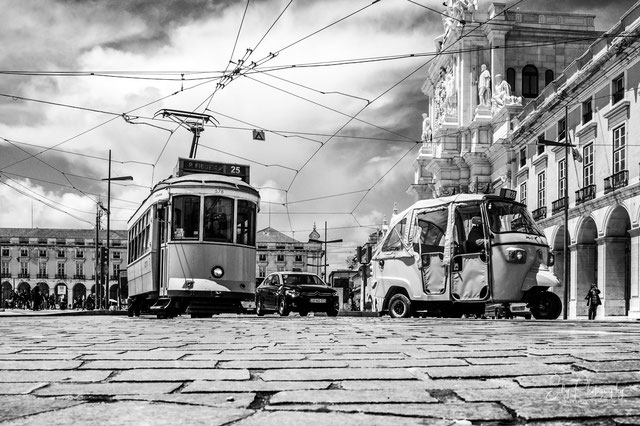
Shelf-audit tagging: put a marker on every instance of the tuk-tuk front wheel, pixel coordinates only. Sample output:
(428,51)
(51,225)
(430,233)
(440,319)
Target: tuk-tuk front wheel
(399,306)
(546,305)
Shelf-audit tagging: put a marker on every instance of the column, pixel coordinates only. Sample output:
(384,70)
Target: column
(634,302)
(614,274)
(584,258)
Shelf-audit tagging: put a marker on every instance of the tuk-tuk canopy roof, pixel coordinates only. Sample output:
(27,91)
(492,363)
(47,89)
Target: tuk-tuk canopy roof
(439,202)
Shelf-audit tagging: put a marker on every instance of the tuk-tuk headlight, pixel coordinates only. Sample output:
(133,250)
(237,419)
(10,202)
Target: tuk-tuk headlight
(551,259)
(516,255)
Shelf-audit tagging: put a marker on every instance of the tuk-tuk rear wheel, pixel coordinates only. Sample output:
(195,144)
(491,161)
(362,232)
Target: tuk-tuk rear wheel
(399,306)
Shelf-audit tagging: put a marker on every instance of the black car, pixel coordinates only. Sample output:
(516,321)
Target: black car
(302,292)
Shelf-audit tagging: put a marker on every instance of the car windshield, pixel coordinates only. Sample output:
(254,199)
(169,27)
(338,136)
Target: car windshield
(297,279)
(511,217)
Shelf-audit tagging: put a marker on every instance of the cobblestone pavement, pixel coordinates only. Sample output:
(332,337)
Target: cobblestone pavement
(244,370)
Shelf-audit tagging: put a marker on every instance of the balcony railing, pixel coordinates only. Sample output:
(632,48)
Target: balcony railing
(43,276)
(5,275)
(585,194)
(559,205)
(540,213)
(61,276)
(616,181)
(24,275)
(78,277)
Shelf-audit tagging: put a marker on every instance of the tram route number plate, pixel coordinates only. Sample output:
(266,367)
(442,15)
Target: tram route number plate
(317,300)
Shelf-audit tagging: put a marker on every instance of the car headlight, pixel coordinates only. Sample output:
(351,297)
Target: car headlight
(292,293)
(516,255)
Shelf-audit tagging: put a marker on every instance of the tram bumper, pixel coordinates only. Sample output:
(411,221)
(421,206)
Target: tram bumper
(541,277)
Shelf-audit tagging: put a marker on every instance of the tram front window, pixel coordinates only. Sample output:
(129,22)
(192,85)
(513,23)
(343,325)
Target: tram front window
(246,223)
(218,219)
(186,217)
(510,217)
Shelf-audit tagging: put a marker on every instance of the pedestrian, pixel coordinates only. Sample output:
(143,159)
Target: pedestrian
(593,300)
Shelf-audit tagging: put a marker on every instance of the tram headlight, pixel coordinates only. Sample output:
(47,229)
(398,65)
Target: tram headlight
(516,255)
(217,272)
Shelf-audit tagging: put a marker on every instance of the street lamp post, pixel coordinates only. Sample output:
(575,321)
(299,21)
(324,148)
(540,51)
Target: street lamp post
(109,179)
(325,242)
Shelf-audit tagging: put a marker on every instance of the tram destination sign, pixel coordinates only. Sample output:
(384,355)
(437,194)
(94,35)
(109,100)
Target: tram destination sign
(187,166)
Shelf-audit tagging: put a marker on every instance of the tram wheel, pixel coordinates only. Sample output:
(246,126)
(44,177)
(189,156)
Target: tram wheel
(399,306)
(546,305)
(283,308)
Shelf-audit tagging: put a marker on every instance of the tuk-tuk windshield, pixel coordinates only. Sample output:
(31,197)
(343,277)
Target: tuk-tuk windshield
(505,216)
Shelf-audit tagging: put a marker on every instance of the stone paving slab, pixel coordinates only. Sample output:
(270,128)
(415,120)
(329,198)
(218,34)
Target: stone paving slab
(137,355)
(135,364)
(509,370)
(618,356)
(13,407)
(264,365)
(222,400)
(452,412)
(11,376)
(258,356)
(587,408)
(608,366)
(107,388)
(175,375)
(292,418)
(335,396)
(206,386)
(135,412)
(33,364)
(319,374)
(17,388)
(426,384)
(566,394)
(579,378)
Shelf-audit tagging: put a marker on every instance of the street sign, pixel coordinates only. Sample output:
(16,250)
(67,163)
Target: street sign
(258,135)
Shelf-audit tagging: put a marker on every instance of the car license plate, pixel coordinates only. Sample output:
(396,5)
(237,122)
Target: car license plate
(317,300)
(248,304)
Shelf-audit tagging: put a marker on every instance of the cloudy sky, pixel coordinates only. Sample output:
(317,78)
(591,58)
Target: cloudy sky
(80,77)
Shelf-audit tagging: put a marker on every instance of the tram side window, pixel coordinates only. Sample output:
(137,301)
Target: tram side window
(394,240)
(218,219)
(245,232)
(186,217)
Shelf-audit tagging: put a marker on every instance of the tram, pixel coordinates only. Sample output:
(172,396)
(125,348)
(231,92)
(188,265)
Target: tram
(452,255)
(192,242)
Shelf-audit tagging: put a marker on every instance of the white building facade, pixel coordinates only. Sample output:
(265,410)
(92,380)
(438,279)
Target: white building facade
(564,78)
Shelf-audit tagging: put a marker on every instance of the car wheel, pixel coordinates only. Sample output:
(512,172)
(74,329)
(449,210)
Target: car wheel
(332,313)
(303,313)
(546,305)
(283,308)
(527,316)
(399,306)
(259,308)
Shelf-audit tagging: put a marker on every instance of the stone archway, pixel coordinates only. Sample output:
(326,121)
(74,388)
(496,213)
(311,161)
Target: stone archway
(44,289)
(62,294)
(79,293)
(586,262)
(558,268)
(6,291)
(616,288)
(23,287)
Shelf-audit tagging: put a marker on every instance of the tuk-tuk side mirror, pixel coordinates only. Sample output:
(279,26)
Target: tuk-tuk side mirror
(381,263)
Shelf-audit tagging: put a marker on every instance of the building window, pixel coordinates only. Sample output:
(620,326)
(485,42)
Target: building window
(116,270)
(548,77)
(6,272)
(562,177)
(80,254)
(619,149)
(61,270)
(116,254)
(587,169)
(79,269)
(587,111)
(529,81)
(262,257)
(523,157)
(280,258)
(24,252)
(562,129)
(61,253)
(511,77)
(42,269)
(24,268)
(42,253)
(523,193)
(5,252)
(542,188)
(540,144)
(617,89)
(262,271)
(298,258)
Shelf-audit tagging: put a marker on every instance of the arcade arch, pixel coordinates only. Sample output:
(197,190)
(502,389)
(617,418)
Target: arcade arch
(617,263)
(585,253)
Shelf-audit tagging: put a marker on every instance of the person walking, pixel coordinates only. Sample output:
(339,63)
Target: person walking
(593,300)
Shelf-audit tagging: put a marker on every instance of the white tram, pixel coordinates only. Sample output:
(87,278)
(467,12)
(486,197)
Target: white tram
(192,242)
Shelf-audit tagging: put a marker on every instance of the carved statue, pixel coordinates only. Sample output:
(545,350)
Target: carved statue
(484,86)
(502,92)
(451,95)
(426,128)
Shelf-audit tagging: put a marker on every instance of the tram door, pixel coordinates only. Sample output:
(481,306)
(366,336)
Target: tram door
(469,263)
(162,237)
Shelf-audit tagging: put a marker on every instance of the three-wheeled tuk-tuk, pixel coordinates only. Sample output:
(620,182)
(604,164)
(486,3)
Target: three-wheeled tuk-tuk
(450,256)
